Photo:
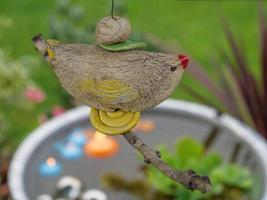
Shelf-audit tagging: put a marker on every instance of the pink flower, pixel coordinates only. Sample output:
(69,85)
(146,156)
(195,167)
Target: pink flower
(57,110)
(35,95)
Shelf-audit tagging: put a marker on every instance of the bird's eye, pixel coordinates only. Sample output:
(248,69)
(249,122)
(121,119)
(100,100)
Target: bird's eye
(173,68)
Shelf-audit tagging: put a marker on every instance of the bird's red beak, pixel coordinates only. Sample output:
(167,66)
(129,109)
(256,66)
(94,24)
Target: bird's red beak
(184,60)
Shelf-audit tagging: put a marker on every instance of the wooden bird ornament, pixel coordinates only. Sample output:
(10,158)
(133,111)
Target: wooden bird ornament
(118,82)
(117,85)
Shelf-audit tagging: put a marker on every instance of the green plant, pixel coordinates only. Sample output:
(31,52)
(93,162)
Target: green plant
(229,181)
(238,90)
(17,113)
(14,79)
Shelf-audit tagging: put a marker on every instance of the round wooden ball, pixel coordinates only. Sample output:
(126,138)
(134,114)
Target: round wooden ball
(112,30)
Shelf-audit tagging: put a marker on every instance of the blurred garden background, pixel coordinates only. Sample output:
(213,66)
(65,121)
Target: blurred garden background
(29,90)
(30,94)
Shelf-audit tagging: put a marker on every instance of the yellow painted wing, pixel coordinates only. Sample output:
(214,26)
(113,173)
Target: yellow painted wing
(110,91)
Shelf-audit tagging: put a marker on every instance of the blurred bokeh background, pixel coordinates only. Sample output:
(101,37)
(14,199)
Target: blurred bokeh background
(30,93)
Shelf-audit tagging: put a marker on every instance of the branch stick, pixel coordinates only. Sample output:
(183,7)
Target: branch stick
(188,178)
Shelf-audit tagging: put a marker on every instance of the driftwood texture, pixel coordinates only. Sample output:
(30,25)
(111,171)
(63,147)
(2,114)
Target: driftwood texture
(129,80)
(188,178)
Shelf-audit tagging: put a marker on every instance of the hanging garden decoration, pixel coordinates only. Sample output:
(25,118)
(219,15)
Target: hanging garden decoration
(119,80)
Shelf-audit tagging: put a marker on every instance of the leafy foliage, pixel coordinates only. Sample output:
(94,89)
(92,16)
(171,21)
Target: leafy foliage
(227,180)
(14,79)
(239,91)
(66,24)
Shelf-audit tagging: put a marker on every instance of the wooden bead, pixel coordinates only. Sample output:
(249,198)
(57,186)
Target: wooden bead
(112,30)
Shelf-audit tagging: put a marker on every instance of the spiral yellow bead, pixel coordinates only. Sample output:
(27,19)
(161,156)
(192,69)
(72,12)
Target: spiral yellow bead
(114,123)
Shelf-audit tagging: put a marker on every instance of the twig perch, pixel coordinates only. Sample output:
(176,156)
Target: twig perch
(188,178)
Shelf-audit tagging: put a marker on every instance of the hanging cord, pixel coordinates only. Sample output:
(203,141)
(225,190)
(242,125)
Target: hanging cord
(112,9)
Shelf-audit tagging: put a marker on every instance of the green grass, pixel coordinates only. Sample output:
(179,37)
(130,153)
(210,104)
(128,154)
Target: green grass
(194,25)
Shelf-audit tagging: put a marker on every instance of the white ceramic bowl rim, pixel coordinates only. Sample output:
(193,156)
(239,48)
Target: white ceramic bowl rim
(26,149)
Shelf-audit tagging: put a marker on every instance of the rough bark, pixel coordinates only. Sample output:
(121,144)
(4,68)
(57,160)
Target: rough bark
(188,178)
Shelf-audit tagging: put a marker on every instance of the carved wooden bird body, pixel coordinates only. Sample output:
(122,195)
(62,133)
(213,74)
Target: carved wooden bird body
(131,81)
